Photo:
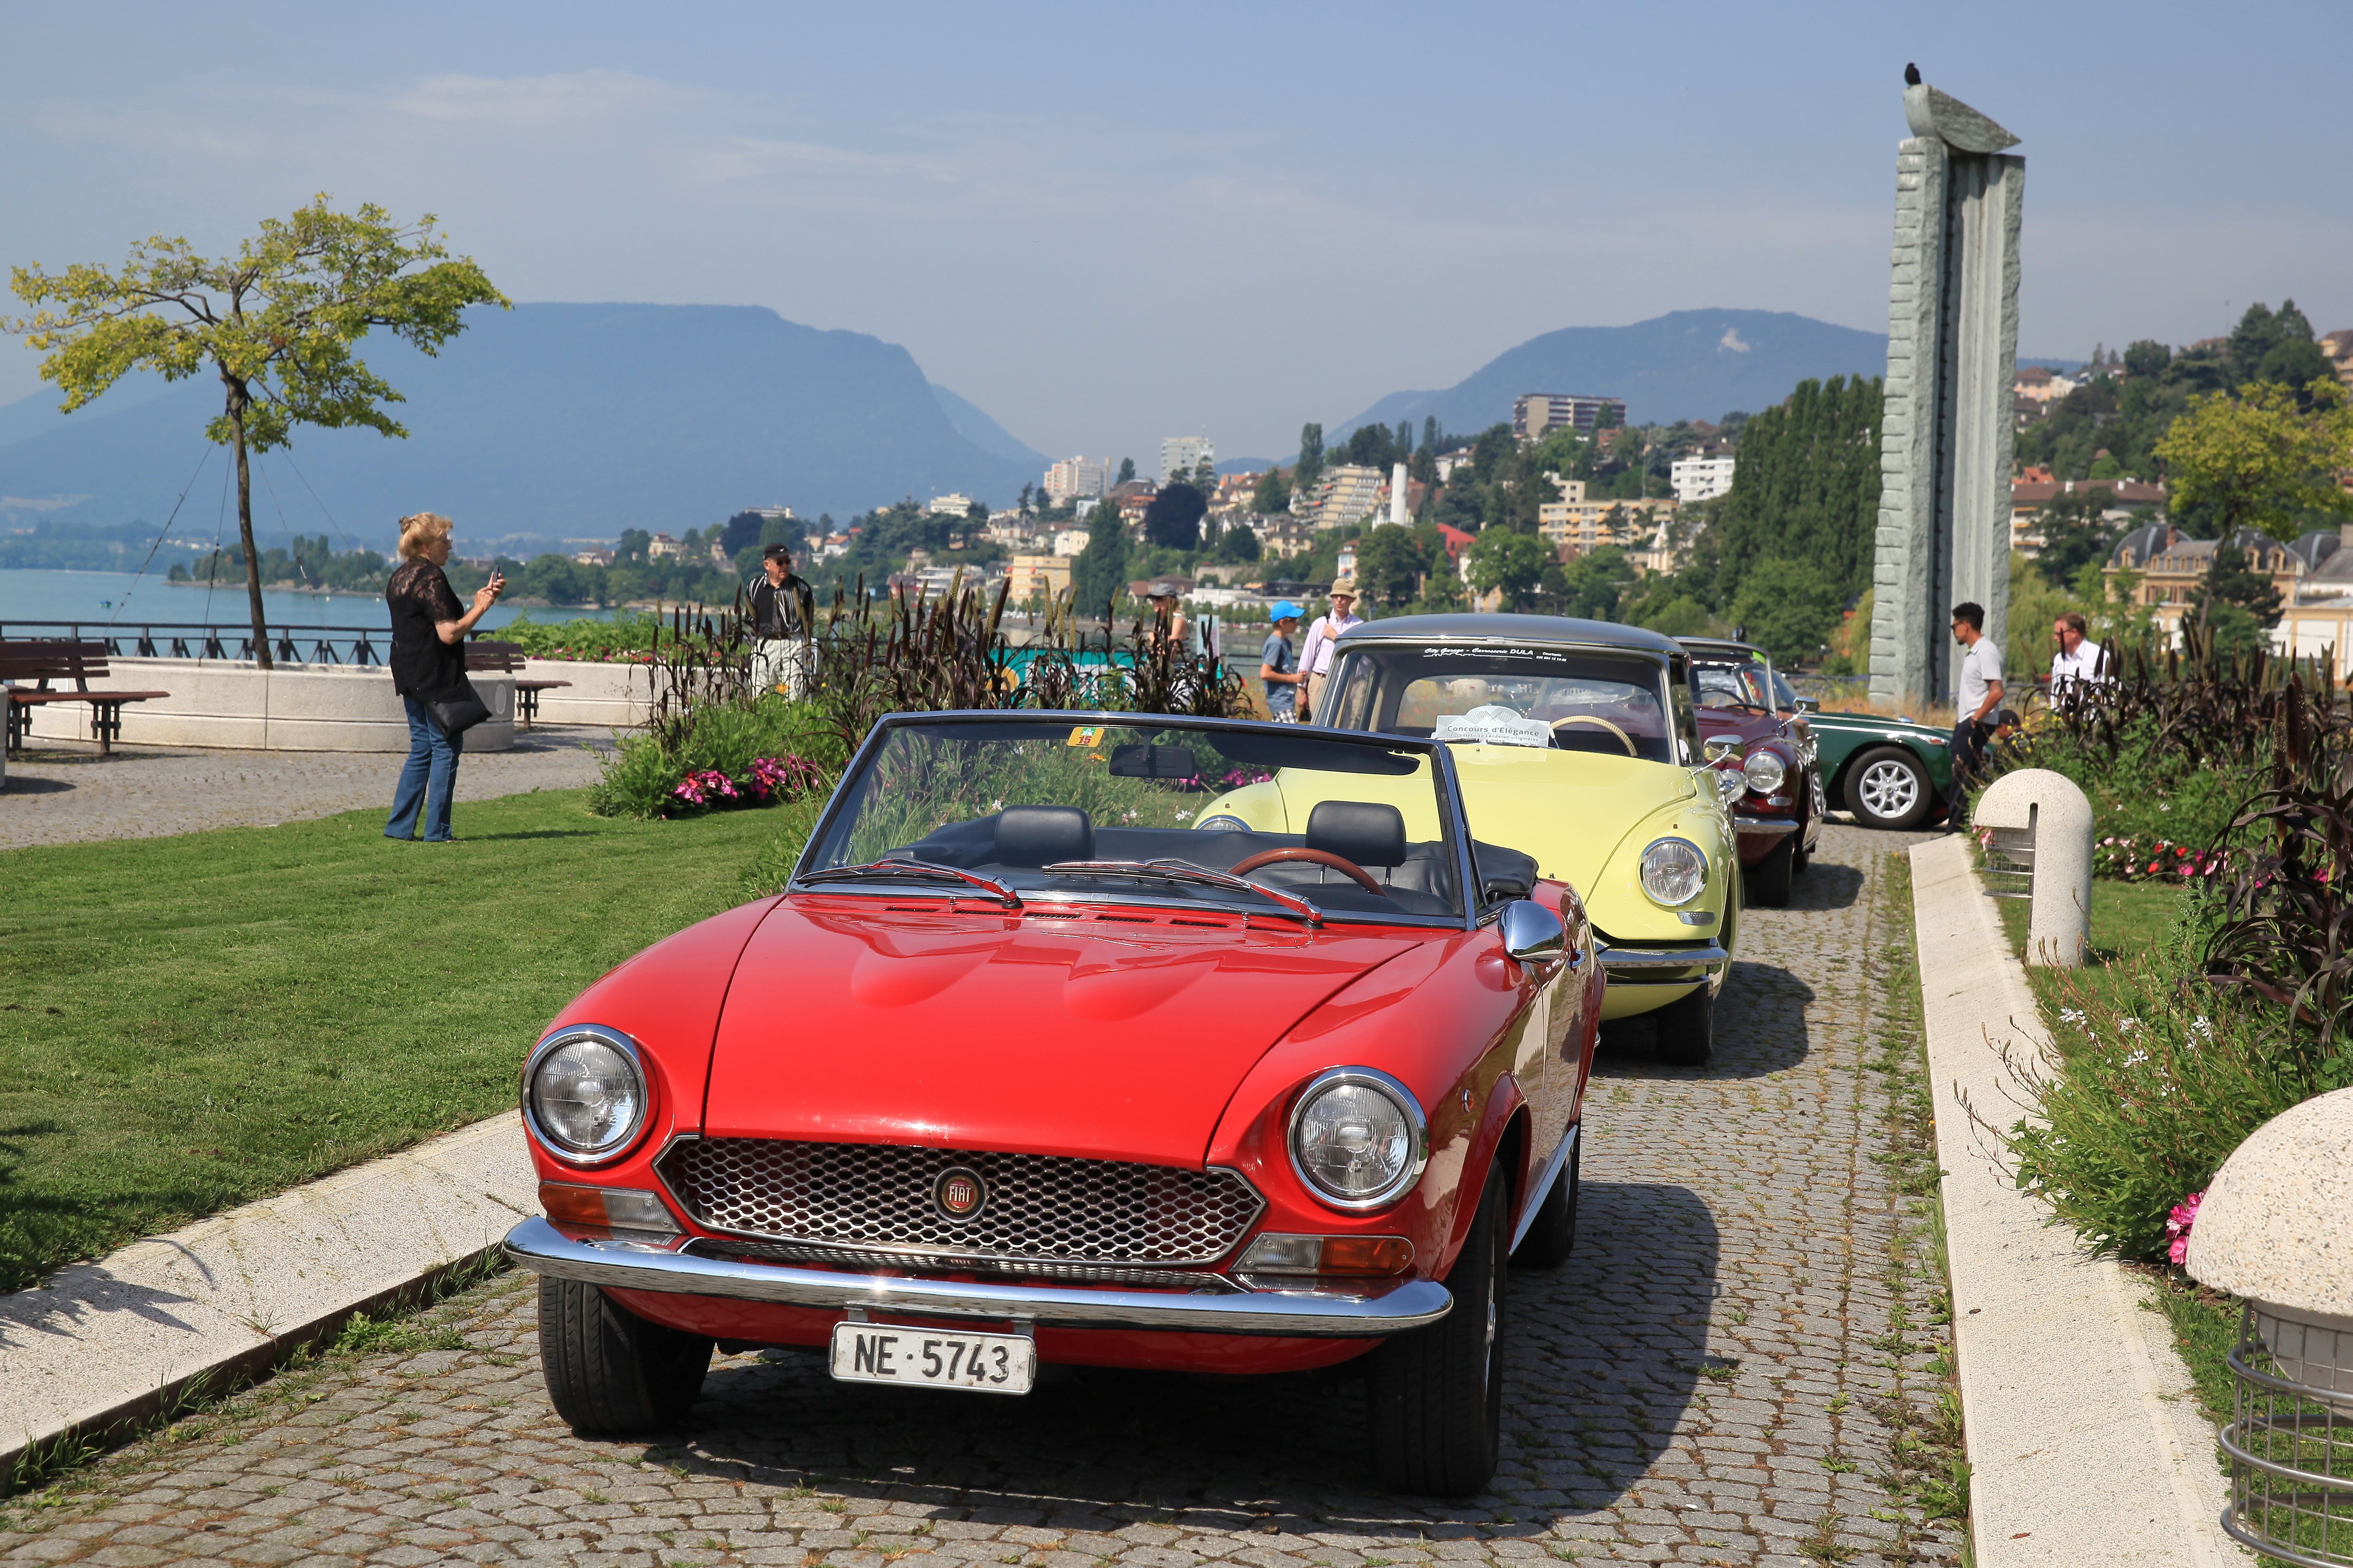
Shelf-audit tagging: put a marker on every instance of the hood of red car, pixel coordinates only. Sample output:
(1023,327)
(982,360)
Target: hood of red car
(1102,1031)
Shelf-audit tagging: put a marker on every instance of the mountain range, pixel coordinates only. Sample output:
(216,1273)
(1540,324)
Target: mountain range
(1686,365)
(566,421)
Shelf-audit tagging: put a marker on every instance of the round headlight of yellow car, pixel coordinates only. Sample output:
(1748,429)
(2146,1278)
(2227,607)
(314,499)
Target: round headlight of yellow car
(1673,871)
(1764,772)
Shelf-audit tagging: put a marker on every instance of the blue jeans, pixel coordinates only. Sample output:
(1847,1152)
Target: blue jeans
(429,779)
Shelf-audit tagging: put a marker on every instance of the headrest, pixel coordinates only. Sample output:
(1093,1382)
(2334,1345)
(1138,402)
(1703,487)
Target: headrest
(1041,835)
(1358,830)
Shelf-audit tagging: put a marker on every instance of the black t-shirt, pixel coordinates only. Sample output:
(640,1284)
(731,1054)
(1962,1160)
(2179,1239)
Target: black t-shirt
(423,666)
(781,610)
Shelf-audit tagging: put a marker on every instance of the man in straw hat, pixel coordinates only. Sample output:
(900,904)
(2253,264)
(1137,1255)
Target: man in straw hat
(1315,657)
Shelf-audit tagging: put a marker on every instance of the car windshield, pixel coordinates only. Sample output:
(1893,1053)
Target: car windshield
(1726,684)
(1292,824)
(1572,700)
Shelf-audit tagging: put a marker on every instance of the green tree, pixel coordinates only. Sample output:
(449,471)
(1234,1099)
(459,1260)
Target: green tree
(1127,472)
(2263,460)
(1806,488)
(1100,574)
(2075,533)
(1273,495)
(1789,607)
(1173,520)
(277,322)
(1389,564)
(1311,458)
(2232,580)
(1592,584)
(1514,562)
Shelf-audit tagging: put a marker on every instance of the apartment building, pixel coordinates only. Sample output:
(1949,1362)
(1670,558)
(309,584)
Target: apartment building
(950,505)
(1700,478)
(1037,577)
(1346,494)
(1079,477)
(1180,455)
(1536,414)
(1576,525)
(2337,348)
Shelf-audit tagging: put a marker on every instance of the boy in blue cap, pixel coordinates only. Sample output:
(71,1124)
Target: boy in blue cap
(1278,666)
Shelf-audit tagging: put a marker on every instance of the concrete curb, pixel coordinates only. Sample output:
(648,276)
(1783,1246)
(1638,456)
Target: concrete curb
(2085,1442)
(110,1342)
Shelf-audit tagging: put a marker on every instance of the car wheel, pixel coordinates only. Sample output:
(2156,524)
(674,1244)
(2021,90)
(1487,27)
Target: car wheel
(1553,1234)
(1687,1030)
(610,1372)
(1436,1393)
(1890,789)
(1768,880)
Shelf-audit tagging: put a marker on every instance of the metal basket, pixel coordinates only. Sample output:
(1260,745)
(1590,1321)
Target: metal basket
(2291,1439)
(2010,862)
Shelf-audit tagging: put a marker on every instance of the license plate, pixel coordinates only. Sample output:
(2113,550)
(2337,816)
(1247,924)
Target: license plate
(983,1364)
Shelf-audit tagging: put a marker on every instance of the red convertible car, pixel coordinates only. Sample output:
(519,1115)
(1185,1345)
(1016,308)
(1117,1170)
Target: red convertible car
(1764,750)
(1042,1058)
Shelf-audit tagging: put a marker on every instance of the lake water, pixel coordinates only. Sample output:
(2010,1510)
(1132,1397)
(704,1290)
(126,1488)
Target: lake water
(96,599)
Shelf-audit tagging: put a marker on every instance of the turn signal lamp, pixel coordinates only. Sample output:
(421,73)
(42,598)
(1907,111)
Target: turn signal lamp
(1370,1255)
(605,1208)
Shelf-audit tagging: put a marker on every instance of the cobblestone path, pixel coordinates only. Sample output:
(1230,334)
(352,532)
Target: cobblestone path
(60,795)
(1732,1370)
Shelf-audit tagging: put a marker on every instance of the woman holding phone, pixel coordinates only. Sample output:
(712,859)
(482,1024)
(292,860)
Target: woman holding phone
(428,670)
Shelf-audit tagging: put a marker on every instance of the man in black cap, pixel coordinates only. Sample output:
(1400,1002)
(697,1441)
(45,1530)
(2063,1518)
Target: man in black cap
(783,613)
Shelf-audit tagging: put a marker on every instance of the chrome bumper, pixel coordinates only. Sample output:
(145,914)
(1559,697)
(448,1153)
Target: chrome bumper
(1661,965)
(539,1247)
(1772,826)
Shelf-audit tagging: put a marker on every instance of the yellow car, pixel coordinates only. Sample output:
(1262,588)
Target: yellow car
(1576,743)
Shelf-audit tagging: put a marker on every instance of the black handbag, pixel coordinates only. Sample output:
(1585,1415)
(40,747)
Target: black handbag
(458,714)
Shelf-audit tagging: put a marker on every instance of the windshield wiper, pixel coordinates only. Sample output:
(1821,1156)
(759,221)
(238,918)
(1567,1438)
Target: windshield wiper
(893,866)
(1185,871)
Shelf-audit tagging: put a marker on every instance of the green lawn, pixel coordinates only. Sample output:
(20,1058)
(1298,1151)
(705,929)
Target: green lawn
(189,1023)
(2128,920)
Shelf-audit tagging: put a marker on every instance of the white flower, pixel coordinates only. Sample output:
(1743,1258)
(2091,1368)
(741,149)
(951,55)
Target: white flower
(2204,1030)
(997,805)
(2070,1015)
(2128,1024)
(2134,1059)
(1184,816)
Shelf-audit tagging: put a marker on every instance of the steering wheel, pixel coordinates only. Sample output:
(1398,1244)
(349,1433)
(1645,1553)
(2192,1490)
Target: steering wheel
(1623,739)
(1339,863)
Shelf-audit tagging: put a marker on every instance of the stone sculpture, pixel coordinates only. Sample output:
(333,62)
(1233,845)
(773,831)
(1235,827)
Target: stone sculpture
(1952,352)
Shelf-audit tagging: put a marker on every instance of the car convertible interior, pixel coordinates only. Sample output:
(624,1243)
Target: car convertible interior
(1353,858)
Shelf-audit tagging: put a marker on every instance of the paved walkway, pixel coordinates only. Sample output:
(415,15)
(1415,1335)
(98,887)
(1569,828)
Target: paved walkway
(1719,1376)
(61,794)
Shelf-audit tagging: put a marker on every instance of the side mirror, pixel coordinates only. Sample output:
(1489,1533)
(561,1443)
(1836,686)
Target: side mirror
(1719,747)
(1810,704)
(1532,933)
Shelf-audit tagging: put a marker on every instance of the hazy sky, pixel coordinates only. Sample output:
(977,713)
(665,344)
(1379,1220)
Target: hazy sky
(1105,224)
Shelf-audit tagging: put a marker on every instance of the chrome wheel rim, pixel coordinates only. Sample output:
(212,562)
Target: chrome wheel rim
(1888,789)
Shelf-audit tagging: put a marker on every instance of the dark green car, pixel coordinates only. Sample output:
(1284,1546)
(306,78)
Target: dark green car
(1890,773)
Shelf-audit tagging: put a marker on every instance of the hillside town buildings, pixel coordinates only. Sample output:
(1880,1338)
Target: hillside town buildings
(1076,478)
(1181,455)
(1575,526)
(2337,348)
(1536,414)
(1344,494)
(1700,478)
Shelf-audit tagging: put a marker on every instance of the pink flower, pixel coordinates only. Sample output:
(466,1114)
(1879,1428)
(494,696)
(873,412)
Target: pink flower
(2178,1224)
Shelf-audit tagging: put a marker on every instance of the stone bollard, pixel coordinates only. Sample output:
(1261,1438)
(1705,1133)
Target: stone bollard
(2046,814)
(2275,1229)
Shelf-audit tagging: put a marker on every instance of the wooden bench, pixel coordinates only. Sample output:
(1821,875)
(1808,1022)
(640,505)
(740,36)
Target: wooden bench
(507,658)
(41,662)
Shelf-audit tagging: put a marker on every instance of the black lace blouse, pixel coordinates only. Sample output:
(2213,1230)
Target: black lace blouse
(423,666)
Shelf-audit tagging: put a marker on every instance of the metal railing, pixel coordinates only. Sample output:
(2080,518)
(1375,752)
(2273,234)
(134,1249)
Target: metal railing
(190,639)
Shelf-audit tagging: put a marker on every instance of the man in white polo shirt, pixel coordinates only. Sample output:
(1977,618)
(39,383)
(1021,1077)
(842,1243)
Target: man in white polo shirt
(1315,657)
(1980,698)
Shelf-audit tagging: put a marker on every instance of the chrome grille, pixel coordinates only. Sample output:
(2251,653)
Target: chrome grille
(1002,1267)
(1041,1209)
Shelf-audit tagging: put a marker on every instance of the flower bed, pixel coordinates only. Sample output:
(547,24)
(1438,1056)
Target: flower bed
(767,779)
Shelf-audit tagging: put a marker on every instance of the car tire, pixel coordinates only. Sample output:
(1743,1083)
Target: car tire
(1889,788)
(1552,1236)
(1687,1030)
(1436,1393)
(1768,880)
(608,1371)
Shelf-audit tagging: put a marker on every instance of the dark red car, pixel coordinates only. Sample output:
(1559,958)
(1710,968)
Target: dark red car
(1044,1056)
(1767,760)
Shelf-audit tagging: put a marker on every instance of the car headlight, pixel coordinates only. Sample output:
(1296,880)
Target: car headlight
(1358,1138)
(585,1093)
(1673,871)
(1764,771)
